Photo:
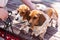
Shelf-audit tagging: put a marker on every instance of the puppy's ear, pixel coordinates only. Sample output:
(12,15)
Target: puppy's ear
(27,14)
(49,12)
(41,19)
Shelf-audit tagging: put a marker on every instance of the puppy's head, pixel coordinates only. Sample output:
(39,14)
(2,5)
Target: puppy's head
(23,10)
(36,18)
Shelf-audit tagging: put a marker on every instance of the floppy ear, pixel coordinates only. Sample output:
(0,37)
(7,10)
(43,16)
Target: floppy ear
(27,14)
(49,12)
(41,19)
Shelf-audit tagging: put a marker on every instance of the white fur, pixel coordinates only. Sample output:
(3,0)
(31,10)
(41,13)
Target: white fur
(41,7)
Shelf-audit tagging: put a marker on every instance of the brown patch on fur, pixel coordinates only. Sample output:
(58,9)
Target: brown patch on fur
(50,12)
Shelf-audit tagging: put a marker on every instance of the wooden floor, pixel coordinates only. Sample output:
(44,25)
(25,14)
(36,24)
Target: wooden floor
(52,33)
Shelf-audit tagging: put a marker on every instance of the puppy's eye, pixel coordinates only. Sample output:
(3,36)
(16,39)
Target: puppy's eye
(22,12)
(34,18)
(16,14)
(17,11)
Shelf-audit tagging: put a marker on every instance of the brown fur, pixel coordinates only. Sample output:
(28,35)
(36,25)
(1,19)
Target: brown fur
(50,12)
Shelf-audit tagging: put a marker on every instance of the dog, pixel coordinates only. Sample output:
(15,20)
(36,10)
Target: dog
(53,15)
(39,22)
(24,11)
(51,12)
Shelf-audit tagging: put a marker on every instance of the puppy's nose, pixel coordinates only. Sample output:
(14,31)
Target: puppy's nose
(16,19)
(29,24)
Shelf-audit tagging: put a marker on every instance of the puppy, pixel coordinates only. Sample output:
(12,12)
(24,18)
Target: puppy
(39,22)
(53,15)
(24,11)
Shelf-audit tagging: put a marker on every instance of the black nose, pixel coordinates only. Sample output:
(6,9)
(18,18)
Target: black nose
(30,25)
(30,30)
(17,19)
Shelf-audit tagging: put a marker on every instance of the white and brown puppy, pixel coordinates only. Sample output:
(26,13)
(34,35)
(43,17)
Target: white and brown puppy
(24,11)
(39,22)
(53,15)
